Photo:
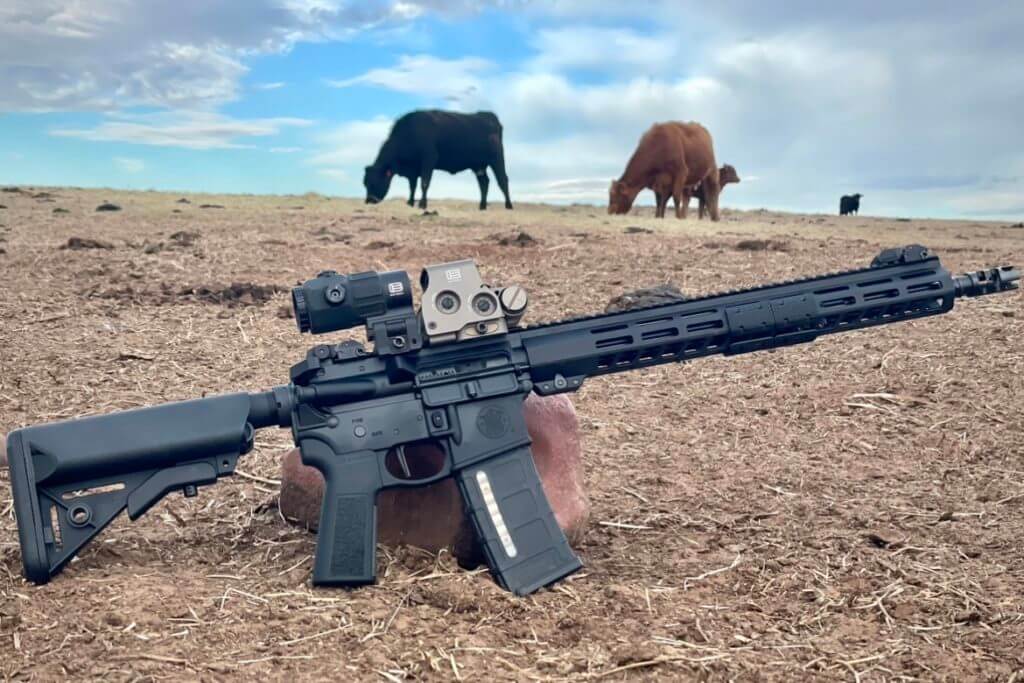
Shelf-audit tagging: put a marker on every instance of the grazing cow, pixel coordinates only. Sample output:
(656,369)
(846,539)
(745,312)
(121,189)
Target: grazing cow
(849,203)
(727,174)
(671,158)
(422,141)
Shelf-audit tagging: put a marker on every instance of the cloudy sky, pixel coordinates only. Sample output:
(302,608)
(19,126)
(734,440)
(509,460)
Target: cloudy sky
(917,104)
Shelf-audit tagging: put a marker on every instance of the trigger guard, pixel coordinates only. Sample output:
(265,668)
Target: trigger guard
(391,481)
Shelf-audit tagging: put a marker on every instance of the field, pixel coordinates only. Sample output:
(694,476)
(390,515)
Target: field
(845,510)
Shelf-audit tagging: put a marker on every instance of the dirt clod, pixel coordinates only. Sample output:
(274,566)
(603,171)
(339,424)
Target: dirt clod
(235,294)
(523,239)
(637,230)
(762,245)
(76,243)
(211,206)
(184,238)
(379,244)
(645,298)
(328,235)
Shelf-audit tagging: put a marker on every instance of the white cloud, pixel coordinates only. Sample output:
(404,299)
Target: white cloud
(112,54)
(426,76)
(285,150)
(129,165)
(334,174)
(352,144)
(192,130)
(606,49)
(269,86)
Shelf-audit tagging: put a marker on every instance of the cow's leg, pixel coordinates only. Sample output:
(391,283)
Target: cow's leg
(412,190)
(499,174)
(657,203)
(483,181)
(684,204)
(681,196)
(712,189)
(426,172)
(662,203)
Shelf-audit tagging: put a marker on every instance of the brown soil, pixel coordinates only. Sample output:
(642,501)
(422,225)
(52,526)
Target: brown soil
(845,510)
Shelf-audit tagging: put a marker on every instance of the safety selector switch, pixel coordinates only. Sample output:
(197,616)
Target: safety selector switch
(438,421)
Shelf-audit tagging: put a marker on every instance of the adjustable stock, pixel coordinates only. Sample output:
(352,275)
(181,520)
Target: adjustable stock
(71,479)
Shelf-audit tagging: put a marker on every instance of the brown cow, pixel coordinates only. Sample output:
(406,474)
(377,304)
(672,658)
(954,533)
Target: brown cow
(671,158)
(727,174)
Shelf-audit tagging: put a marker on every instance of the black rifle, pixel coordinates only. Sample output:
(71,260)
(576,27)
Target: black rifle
(453,374)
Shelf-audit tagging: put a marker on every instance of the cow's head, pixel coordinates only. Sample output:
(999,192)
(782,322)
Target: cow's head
(727,174)
(856,196)
(620,197)
(377,180)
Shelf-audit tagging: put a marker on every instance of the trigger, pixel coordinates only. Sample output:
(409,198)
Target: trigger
(402,462)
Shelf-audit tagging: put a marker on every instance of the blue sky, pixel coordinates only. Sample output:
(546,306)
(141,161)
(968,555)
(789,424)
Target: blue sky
(915,104)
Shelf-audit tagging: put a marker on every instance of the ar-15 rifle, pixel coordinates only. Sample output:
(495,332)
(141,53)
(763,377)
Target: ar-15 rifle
(455,374)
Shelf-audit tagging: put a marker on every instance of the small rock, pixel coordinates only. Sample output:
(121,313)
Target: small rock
(107,206)
(634,229)
(2,206)
(430,212)
(377,244)
(1017,225)
(211,206)
(645,298)
(76,243)
(175,210)
(285,312)
(60,210)
(183,201)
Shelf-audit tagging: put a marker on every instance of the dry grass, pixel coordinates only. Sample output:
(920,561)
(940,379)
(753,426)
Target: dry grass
(848,510)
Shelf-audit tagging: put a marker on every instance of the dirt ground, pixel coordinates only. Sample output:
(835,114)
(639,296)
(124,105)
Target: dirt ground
(845,510)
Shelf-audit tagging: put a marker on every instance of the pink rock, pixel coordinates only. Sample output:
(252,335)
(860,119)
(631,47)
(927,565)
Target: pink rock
(432,517)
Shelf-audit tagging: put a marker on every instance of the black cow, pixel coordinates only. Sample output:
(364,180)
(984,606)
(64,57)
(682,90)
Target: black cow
(849,203)
(422,141)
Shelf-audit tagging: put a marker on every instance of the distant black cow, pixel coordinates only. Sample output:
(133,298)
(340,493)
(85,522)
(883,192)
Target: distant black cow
(422,141)
(849,203)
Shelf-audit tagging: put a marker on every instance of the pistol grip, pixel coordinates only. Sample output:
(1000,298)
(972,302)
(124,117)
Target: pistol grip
(524,545)
(347,536)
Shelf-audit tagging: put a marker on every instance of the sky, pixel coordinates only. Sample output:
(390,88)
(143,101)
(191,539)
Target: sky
(916,104)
